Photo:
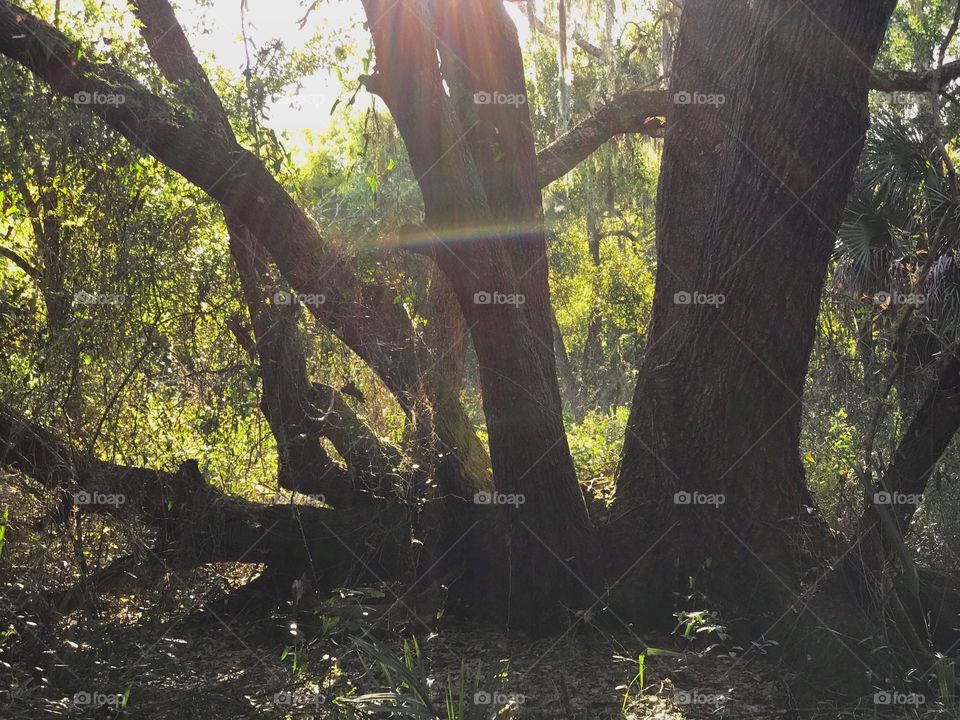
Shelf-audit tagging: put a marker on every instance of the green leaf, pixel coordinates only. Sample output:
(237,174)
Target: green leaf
(3,525)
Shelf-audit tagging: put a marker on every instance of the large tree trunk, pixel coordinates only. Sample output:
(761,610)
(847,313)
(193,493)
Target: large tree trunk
(477,169)
(751,194)
(552,551)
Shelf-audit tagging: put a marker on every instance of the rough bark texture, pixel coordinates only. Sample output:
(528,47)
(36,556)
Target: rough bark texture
(751,194)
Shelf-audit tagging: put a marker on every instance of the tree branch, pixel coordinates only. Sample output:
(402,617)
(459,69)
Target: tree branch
(173,54)
(631,112)
(19,261)
(905,81)
(538,25)
(199,524)
(636,111)
(364,315)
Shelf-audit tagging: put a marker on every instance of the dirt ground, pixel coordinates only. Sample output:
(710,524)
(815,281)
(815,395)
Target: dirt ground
(169,653)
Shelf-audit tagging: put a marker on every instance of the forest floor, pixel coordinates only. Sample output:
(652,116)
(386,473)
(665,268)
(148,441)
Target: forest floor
(168,654)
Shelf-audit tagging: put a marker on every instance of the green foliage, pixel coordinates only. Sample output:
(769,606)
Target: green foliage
(410,695)
(150,372)
(596,442)
(698,624)
(641,672)
(946,673)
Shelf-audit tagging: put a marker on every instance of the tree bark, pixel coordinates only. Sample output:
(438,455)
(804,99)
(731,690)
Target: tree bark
(751,194)
(631,112)
(299,412)
(476,166)
(921,446)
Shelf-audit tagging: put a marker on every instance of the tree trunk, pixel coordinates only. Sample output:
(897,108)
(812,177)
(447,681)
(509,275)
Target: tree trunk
(477,168)
(922,444)
(466,470)
(299,412)
(769,118)
(570,389)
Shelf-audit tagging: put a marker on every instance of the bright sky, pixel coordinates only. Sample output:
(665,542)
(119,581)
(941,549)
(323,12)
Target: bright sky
(268,19)
(214,29)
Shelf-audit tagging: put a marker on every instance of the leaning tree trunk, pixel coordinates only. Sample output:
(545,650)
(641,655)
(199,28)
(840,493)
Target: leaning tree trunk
(299,412)
(904,481)
(769,119)
(193,137)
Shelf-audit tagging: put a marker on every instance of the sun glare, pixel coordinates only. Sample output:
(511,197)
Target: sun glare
(307,107)
(219,39)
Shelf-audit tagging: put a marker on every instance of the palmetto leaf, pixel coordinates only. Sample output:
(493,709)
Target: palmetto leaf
(417,701)
(898,203)
(868,246)
(942,289)
(895,165)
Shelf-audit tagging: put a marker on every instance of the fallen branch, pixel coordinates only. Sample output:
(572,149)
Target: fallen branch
(196,523)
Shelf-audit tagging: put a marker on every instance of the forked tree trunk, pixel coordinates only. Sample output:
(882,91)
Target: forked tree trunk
(768,123)
(477,168)
(552,550)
